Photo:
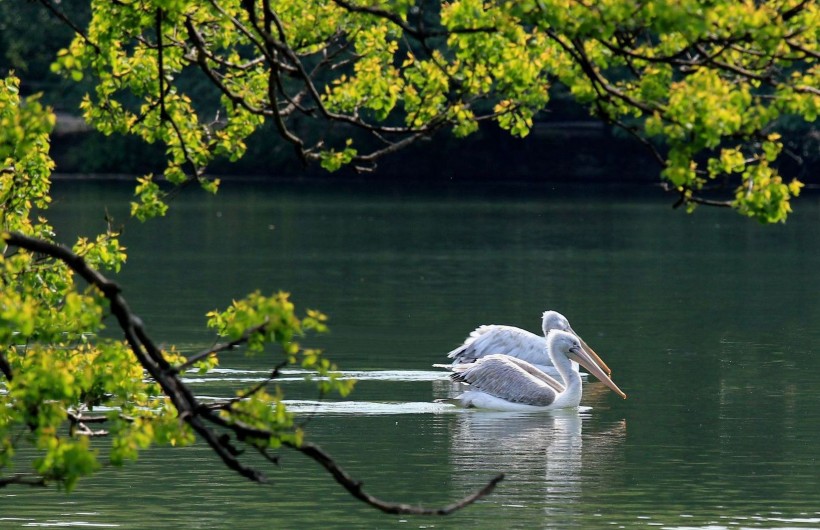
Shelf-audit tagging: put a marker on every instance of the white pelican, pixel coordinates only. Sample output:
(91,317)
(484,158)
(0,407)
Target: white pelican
(519,343)
(503,382)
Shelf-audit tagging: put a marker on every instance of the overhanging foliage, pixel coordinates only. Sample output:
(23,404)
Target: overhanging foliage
(701,84)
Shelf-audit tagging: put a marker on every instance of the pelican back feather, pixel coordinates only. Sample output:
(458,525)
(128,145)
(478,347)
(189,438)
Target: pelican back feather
(507,340)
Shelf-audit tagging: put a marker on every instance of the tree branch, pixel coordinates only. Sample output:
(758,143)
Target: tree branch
(287,51)
(797,46)
(735,69)
(188,407)
(416,33)
(355,488)
(202,58)
(5,367)
(644,141)
(163,112)
(793,12)
(683,199)
(23,478)
(222,346)
(595,76)
(149,356)
(68,22)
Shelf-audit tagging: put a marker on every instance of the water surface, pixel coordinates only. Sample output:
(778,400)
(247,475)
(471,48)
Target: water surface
(710,323)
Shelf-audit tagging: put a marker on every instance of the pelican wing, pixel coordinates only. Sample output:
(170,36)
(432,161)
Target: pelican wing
(505,377)
(538,374)
(507,340)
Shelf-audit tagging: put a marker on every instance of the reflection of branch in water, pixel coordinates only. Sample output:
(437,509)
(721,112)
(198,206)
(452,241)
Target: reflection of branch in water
(545,456)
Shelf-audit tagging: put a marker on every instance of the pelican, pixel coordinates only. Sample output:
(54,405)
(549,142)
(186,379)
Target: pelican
(520,343)
(504,382)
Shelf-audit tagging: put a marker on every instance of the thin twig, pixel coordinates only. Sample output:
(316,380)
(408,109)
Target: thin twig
(222,346)
(68,22)
(355,488)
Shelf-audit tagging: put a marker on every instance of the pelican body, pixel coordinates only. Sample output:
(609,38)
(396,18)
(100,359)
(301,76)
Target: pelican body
(504,382)
(519,343)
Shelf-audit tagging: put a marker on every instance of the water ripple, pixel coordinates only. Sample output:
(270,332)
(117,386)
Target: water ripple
(254,376)
(370,407)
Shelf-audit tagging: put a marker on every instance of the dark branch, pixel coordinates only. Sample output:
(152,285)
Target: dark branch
(163,112)
(811,53)
(793,12)
(149,356)
(644,141)
(262,384)
(165,117)
(416,33)
(597,79)
(355,488)
(710,202)
(5,367)
(22,478)
(381,13)
(68,22)
(188,407)
(733,68)
(684,199)
(223,346)
(202,61)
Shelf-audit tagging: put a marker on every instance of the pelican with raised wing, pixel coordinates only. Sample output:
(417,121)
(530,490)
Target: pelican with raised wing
(504,382)
(520,343)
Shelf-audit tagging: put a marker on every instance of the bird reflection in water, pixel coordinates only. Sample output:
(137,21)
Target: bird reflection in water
(547,458)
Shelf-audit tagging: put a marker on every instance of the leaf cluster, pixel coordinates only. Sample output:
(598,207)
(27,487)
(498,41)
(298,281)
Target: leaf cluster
(688,79)
(62,383)
(55,368)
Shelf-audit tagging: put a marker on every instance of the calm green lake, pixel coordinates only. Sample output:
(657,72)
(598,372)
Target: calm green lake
(710,322)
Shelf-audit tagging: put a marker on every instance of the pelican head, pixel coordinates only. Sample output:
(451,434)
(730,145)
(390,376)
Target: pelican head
(572,347)
(553,320)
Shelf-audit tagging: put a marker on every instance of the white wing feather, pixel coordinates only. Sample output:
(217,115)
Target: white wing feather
(507,340)
(510,379)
